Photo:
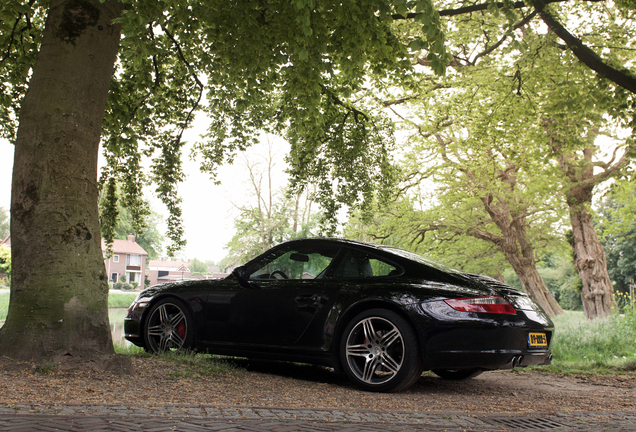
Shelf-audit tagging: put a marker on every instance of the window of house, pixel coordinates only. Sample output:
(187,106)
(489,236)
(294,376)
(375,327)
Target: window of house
(133,260)
(133,277)
(115,258)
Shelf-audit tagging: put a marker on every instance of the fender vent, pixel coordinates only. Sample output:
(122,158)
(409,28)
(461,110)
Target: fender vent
(531,423)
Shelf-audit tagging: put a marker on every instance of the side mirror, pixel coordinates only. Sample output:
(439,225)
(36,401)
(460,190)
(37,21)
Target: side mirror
(241,275)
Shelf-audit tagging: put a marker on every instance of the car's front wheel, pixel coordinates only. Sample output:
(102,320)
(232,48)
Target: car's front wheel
(379,351)
(169,327)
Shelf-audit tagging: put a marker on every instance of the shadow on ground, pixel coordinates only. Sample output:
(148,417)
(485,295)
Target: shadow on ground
(299,371)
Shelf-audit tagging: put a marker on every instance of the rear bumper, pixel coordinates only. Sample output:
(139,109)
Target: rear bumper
(487,360)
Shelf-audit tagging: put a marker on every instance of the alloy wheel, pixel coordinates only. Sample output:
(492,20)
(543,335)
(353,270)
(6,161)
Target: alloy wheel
(167,328)
(375,350)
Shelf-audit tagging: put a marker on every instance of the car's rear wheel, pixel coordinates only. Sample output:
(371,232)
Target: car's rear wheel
(169,327)
(379,351)
(457,374)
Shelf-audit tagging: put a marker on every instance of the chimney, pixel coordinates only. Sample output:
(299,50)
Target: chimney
(131,238)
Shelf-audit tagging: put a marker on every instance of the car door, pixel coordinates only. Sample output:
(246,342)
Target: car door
(277,304)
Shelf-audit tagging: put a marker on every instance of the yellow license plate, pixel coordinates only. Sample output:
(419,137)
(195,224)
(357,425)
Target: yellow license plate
(537,340)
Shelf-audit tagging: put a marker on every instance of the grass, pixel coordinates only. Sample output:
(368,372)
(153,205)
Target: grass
(189,364)
(4,305)
(120,299)
(116,299)
(599,346)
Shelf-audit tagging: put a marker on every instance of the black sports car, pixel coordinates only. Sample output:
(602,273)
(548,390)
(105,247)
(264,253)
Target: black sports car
(381,314)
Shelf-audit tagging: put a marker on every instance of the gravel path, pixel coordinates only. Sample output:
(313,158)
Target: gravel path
(157,383)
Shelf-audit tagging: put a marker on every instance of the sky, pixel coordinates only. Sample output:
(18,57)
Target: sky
(208,209)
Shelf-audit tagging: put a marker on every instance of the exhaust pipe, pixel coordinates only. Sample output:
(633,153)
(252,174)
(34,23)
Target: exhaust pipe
(516,361)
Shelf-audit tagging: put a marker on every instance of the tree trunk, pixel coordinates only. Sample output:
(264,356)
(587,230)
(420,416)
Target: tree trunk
(589,257)
(59,292)
(516,247)
(533,283)
(591,263)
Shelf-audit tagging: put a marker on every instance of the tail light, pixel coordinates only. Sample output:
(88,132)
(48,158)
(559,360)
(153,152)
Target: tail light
(491,304)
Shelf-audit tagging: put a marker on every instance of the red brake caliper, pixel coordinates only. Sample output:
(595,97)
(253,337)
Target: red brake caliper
(181,329)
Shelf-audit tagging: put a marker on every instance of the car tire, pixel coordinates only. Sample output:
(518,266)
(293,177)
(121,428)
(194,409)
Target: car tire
(168,327)
(379,351)
(457,374)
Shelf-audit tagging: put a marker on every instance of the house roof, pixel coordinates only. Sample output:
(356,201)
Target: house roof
(125,247)
(6,242)
(168,265)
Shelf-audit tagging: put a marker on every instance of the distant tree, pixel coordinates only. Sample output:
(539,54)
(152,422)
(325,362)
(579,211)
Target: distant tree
(617,227)
(271,216)
(119,221)
(4,223)
(5,260)
(199,268)
(150,239)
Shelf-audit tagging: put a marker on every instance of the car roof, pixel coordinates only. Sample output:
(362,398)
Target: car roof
(395,252)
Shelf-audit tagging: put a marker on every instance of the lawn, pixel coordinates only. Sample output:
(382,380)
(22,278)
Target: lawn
(600,345)
(116,299)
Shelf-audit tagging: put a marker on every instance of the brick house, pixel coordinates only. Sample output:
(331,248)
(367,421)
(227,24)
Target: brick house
(128,262)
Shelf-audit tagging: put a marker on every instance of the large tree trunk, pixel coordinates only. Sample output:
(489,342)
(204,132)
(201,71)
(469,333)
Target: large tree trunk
(59,291)
(516,247)
(597,293)
(591,263)
(533,283)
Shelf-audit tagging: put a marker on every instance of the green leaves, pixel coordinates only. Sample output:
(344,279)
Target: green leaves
(21,25)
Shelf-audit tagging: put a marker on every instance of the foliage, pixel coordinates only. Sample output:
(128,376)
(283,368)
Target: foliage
(142,222)
(5,260)
(298,68)
(272,215)
(559,275)
(400,225)
(150,239)
(4,223)
(122,285)
(198,267)
(617,229)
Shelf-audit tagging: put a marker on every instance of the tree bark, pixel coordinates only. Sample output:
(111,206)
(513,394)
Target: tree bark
(591,263)
(59,292)
(507,212)
(597,293)
(525,268)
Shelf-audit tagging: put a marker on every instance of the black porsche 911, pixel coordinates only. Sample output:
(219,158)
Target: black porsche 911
(380,314)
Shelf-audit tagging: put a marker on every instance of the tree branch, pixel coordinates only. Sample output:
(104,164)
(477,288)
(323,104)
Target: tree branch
(588,57)
(476,8)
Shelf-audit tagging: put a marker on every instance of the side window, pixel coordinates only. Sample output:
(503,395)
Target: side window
(360,265)
(294,264)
